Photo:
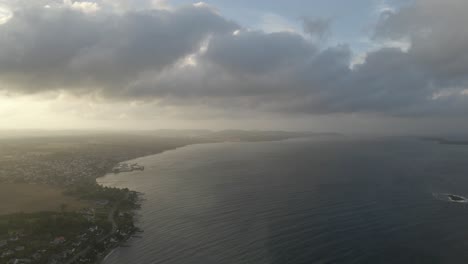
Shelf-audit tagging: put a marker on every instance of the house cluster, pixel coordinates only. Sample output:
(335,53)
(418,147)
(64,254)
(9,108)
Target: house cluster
(125,167)
(89,214)
(9,252)
(12,248)
(20,261)
(11,245)
(64,170)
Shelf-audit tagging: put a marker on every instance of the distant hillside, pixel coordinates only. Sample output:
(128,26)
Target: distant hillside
(197,134)
(445,141)
(181,133)
(250,135)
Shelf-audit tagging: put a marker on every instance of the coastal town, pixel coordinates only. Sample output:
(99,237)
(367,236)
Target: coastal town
(67,235)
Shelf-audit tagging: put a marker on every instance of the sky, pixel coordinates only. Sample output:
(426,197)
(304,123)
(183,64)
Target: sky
(364,66)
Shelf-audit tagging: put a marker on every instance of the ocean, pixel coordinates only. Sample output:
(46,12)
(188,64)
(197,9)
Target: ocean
(323,200)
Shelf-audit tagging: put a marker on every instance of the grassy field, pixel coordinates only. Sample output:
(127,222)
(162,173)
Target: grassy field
(29,198)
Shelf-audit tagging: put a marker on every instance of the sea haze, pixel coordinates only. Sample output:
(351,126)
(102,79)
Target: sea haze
(334,200)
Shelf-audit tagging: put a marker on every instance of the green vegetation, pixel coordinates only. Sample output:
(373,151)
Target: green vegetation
(38,236)
(31,198)
(93,191)
(60,236)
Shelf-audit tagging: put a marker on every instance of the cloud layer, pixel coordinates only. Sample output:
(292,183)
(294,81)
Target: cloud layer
(192,55)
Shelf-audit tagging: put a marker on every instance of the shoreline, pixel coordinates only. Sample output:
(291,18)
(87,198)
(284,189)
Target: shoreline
(110,251)
(107,255)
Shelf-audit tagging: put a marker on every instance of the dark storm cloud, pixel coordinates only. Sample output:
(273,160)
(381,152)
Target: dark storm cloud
(193,56)
(257,52)
(47,48)
(318,28)
(438,33)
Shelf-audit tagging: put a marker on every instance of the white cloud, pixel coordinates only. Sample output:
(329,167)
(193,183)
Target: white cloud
(358,59)
(444,94)
(449,92)
(383,7)
(85,7)
(402,44)
(161,4)
(5,14)
(189,61)
(207,6)
(271,22)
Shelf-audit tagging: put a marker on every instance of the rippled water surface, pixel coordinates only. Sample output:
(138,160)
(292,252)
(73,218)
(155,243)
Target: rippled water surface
(300,201)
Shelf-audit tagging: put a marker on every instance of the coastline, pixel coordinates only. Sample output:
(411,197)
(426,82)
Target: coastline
(107,255)
(111,250)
